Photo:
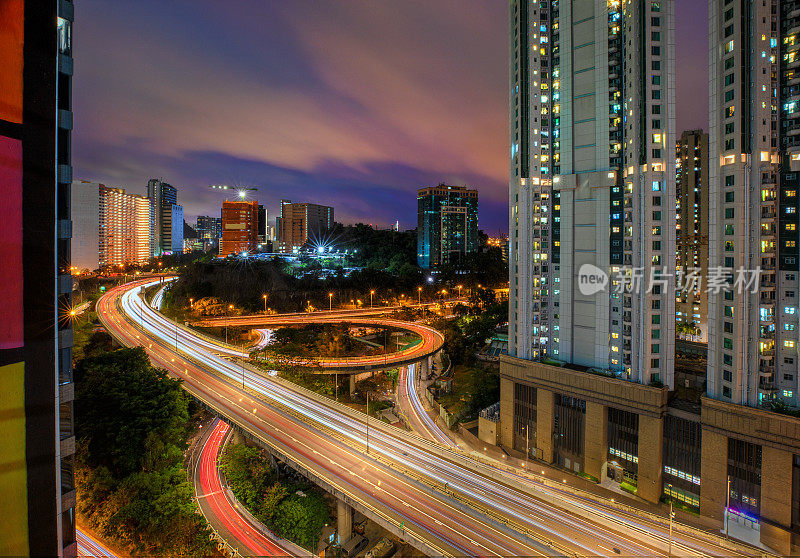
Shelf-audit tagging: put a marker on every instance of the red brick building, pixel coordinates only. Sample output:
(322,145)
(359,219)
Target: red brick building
(239,227)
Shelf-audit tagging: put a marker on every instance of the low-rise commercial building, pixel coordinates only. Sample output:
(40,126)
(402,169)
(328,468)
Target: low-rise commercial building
(300,223)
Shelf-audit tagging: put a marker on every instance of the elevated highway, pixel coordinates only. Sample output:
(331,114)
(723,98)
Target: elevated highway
(431,343)
(439,500)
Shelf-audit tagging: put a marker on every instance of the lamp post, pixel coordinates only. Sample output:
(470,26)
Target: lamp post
(227,321)
(367,423)
(371,293)
(264,296)
(330,302)
(459,290)
(671,517)
(419,296)
(727,506)
(527,449)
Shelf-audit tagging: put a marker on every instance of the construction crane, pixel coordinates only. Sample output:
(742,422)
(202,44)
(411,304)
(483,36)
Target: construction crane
(240,190)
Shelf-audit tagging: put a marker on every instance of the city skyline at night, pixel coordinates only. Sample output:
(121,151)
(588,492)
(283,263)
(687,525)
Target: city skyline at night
(356,106)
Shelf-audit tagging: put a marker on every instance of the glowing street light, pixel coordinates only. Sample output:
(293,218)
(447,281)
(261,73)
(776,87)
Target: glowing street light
(371,293)
(228,319)
(419,295)
(330,302)
(459,289)
(264,296)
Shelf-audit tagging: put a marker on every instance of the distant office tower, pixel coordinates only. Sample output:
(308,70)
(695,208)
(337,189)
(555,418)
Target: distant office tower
(191,238)
(166,218)
(593,184)
(85,225)
(262,224)
(124,226)
(239,227)
(37,486)
(209,230)
(691,306)
(300,223)
(447,225)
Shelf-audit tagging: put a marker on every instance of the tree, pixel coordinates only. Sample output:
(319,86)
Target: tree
(301,518)
(247,471)
(132,423)
(273,496)
(124,408)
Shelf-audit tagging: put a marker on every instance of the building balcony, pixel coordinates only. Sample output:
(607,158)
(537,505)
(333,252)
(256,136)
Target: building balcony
(767,386)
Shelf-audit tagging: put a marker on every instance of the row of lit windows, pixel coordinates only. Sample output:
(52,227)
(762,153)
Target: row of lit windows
(682,475)
(623,455)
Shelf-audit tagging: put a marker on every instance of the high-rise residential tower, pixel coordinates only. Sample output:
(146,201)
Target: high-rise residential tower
(691,305)
(592,184)
(85,200)
(447,225)
(592,236)
(754,178)
(124,226)
(754,110)
(37,485)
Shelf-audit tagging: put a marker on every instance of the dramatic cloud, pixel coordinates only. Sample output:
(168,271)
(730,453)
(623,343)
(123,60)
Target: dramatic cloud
(355,104)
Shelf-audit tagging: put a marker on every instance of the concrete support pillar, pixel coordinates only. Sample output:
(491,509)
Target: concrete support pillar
(344,519)
(714,473)
(545,403)
(424,369)
(596,438)
(352,385)
(776,498)
(506,413)
(651,463)
(236,436)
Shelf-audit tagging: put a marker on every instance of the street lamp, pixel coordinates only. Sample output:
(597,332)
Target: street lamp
(264,296)
(671,517)
(330,302)
(227,320)
(419,295)
(459,289)
(371,293)
(191,303)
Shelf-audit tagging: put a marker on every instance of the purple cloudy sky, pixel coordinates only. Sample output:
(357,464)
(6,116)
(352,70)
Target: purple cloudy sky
(350,103)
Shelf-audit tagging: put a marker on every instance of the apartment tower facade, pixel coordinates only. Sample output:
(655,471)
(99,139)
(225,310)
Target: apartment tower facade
(592,183)
(592,236)
(124,224)
(37,485)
